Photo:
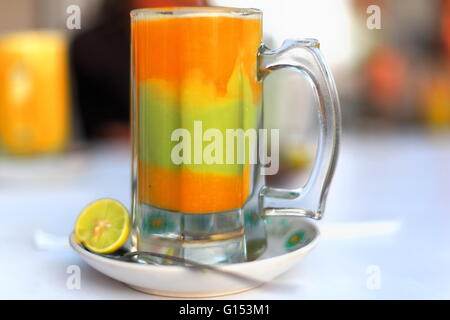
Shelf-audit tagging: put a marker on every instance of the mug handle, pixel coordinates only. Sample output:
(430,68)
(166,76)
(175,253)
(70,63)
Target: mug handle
(308,201)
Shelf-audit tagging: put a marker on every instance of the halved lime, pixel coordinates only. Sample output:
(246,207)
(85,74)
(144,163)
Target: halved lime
(103,226)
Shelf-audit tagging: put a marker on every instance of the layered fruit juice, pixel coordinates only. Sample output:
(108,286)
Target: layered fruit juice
(187,69)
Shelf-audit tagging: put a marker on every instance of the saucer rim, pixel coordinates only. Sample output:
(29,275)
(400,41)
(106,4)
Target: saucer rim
(90,255)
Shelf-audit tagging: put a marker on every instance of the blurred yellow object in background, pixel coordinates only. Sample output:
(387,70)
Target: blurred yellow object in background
(437,104)
(34,97)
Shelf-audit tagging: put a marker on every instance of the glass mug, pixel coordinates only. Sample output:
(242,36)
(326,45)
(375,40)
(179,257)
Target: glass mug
(196,79)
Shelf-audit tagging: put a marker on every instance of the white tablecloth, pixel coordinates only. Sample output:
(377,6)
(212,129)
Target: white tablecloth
(386,233)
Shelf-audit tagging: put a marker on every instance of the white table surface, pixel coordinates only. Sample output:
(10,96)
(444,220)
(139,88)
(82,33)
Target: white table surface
(386,233)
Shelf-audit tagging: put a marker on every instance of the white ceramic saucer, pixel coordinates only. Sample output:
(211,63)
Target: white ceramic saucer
(289,240)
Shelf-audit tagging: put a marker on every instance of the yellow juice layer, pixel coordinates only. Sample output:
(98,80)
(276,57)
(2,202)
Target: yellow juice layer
(189,69)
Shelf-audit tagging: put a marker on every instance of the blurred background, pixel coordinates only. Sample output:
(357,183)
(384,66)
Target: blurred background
(64,84)
(64,104)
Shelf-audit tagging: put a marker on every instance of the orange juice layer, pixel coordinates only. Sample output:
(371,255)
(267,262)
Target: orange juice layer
(190,69)
(171,49)
(192,192)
